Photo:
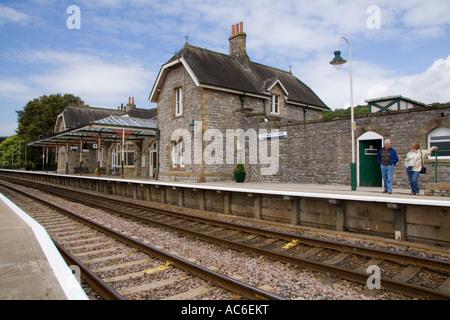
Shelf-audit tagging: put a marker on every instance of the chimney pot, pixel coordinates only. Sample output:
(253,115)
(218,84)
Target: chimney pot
(233,30)
(133,101)
(129,99)
(238,47)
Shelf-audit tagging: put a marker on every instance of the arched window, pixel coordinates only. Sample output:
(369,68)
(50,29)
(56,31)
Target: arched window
(440,137)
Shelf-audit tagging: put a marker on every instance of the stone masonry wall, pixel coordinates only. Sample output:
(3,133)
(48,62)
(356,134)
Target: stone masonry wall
(315,151)
(319,152)
(217,110)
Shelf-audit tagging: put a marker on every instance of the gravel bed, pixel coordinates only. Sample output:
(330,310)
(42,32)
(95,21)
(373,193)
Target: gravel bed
(280,278)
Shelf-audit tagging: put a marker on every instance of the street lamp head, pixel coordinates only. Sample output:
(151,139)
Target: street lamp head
(337,61)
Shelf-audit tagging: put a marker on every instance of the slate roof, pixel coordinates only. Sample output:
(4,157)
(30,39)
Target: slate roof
(223,71)
(77,116)
(126,122)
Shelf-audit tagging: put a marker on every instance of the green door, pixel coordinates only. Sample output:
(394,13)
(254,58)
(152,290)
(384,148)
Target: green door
(369,170)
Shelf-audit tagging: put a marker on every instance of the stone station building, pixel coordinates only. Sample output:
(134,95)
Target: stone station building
(215,110)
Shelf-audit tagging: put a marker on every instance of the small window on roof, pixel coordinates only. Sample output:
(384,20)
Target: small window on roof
(275,106)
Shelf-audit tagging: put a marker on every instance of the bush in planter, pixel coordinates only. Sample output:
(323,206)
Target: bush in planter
(239,173)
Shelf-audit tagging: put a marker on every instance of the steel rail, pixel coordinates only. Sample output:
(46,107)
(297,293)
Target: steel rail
(354,276)
(230,284)
(351,275)
(92,279)
(443,266)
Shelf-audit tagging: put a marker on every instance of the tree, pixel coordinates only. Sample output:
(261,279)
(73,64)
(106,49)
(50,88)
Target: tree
(38,119)
(39,115)
(358,110)
(12,152)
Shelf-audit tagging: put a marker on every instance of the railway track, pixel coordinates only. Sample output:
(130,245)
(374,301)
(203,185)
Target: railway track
(159,275)
(414,276)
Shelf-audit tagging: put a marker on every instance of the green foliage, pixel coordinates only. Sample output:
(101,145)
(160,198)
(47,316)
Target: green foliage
(239,168)
(38,117)
(338,113)
(12,152)
(364,109)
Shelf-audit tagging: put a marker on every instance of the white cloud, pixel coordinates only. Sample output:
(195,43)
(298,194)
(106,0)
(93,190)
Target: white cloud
(8,129)
(286,32)
(12,88)
(8,14)
(95,79)
(428,87)
(374,81)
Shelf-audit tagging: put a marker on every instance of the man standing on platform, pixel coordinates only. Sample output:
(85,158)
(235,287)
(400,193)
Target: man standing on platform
(387,159)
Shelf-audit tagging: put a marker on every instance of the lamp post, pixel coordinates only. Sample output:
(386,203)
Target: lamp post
(337,62)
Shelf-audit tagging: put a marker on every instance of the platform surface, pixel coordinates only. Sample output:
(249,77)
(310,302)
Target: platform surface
(338,192)
(31,267)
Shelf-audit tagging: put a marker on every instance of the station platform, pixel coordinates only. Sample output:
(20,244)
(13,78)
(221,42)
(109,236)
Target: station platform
(338,192)
(31,267)
(368,211)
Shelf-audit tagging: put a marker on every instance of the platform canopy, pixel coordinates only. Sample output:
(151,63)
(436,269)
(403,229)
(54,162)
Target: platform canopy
(111,129)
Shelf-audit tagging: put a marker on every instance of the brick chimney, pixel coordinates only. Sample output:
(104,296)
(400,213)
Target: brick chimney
(130,104)
(238,46)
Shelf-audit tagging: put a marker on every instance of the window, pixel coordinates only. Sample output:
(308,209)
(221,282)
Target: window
(440,137)
(178,102)
(178,154)
(275,107)
(129,156)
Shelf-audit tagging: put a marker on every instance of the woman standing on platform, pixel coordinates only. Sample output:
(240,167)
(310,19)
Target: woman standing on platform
(413,164)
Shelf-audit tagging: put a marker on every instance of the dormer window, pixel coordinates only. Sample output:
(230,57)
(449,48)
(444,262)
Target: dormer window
(178,102)
(275,106)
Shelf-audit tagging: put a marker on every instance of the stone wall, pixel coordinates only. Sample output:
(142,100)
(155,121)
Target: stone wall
(320,151)
(216,112)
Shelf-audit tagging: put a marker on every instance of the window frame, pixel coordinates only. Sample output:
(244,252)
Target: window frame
(443,136)
(126,153)
(275,104)
(178,154)
(179,103)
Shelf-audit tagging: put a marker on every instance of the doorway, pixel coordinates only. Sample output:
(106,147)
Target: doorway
(369,171)
(153,160)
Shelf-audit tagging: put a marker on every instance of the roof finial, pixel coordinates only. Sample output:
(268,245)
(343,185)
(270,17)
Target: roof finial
(187,37)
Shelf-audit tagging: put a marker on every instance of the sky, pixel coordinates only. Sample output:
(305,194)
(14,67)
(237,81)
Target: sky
(108,50)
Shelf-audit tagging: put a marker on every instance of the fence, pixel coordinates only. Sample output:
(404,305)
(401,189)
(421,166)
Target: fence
(436,163)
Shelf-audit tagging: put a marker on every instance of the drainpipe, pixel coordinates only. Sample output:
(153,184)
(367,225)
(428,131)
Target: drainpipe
(264,100)
(157,155)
